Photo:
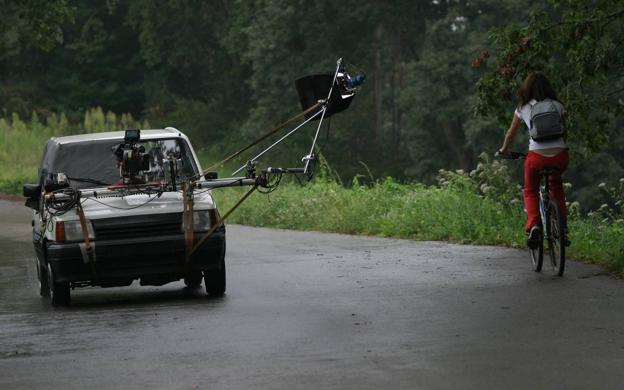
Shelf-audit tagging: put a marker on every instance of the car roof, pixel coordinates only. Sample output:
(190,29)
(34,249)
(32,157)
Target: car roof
(109,135)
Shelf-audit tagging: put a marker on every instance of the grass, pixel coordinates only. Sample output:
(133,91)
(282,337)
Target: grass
(462,209)
(413,211)
(598,243)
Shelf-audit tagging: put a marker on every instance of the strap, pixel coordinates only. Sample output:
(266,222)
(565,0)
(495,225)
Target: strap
(86,248)
(187,217)
(219,223)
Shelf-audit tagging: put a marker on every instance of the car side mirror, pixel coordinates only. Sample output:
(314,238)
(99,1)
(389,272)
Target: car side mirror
(32,193)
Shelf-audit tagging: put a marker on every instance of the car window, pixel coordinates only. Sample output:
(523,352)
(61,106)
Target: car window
(96,162)
(160,150)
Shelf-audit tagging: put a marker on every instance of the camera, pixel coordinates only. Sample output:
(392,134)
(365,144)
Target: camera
(131,157)
(348,83)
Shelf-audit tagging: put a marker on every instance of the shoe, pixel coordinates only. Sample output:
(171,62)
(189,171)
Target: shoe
(535,236)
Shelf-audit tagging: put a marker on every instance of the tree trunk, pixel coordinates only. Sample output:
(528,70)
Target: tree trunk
(378,82)
(453,132)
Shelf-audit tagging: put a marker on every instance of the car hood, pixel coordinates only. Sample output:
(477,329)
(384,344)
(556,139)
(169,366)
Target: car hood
(168,202)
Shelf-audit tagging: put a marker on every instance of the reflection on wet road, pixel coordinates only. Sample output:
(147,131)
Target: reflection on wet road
(311,310)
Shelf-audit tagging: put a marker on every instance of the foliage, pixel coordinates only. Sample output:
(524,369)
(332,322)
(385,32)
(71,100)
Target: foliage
(441,130)
(491,179)
(223,72)
(579,45)
(613,210)
(386,208)
(32,23)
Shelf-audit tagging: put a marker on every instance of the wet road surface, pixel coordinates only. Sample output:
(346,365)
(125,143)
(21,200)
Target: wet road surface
(316,311)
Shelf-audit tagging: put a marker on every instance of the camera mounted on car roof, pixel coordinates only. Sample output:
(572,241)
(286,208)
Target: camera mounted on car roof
(131,158)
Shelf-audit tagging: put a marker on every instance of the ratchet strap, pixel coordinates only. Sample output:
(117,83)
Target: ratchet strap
(87,248)
(270,133)
(187,217)
(219,223)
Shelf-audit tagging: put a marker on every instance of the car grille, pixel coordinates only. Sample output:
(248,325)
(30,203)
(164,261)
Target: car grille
(138,226)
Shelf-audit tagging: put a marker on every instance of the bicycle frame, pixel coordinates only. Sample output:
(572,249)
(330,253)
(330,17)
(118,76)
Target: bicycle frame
(544,197)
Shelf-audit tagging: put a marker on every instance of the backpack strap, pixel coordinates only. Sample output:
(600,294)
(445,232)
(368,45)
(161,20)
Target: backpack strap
(534,102)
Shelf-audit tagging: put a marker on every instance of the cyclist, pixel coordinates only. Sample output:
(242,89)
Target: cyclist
(551,153)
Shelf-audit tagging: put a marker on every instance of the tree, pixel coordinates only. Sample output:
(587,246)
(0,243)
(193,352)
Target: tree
(283,40)
(26,27)
(32,23)
(191,79)
(440,129)
(580,46)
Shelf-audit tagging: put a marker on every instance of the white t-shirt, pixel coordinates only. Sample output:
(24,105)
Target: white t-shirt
(524,113)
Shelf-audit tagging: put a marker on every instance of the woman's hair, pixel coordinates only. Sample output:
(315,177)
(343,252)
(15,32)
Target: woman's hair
(535,86)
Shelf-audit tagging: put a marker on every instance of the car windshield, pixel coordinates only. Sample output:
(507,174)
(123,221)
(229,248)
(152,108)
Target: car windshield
(93,164)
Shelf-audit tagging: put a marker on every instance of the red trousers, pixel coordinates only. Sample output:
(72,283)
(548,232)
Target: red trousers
(532,165)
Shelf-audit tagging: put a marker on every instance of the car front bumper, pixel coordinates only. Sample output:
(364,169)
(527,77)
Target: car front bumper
(135,258)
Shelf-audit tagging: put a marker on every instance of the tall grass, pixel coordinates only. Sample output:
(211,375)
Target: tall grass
(413,211)
(386,208)
(22,141)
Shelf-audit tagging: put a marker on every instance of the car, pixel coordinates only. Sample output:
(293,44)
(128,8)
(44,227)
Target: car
(134,232)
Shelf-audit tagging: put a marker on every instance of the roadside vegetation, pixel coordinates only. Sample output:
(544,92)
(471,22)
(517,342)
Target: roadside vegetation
(481,207)
(223,72)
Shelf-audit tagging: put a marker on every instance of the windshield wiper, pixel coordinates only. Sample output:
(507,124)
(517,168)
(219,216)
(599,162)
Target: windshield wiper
(88,180)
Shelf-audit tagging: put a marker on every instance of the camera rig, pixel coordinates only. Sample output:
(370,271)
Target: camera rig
(132,160)
(321,96)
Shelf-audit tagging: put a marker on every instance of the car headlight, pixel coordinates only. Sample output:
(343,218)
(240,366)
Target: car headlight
(203,220)
(70,231)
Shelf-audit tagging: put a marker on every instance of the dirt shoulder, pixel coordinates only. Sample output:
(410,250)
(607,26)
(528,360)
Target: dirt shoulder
(12,198)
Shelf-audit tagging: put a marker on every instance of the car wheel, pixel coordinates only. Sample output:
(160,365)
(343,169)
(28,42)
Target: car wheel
(193,279)
(59,291)
(215,279)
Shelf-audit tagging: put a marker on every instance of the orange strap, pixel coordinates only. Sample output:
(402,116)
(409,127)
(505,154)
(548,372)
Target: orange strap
(220,221)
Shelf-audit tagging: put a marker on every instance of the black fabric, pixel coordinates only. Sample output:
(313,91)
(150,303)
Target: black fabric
(315,87)
(92,159)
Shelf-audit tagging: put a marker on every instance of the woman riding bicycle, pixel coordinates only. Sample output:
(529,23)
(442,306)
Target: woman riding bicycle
(546,153)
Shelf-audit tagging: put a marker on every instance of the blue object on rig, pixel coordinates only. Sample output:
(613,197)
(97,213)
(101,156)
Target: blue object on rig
(355,81)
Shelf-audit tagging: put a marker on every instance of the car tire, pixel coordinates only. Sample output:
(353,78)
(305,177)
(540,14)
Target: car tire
(58,291)
(215,279)
(193,279)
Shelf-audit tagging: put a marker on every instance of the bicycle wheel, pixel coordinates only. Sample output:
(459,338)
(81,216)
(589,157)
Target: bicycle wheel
(537,256)
(556,238)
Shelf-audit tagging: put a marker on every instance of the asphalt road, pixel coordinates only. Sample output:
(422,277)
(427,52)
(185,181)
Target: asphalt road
(318,311)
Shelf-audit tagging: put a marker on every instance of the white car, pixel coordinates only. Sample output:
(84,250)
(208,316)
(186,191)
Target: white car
(132,235)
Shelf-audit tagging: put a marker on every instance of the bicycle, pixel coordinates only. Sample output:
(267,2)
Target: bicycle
(553,225)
